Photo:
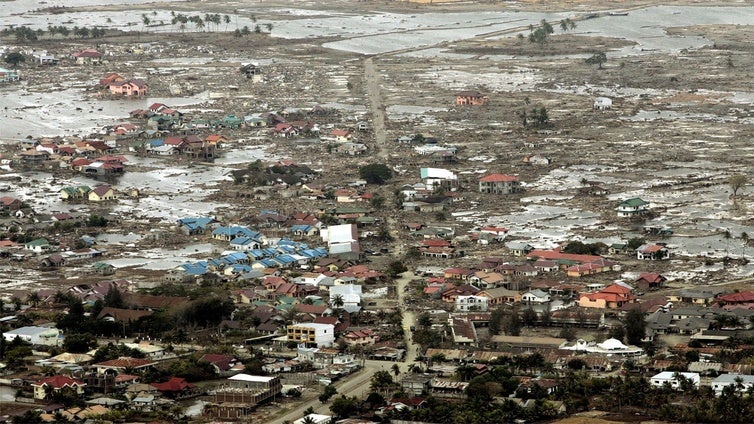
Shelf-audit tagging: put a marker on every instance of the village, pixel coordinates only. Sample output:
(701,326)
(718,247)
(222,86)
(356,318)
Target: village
(212,214)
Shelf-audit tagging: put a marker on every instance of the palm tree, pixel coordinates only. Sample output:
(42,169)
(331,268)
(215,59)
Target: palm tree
(226,18)
(726,236)
(745,239)
(337,301)
(33,299)
(396,369)
(145,21)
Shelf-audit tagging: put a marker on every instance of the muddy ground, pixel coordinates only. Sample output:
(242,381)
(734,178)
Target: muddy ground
(679,127)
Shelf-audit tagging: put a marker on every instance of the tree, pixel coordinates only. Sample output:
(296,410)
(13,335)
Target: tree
(13,59)
(268,26)
(337,301)
(540,34)
(376,173)
(567,24)
(736,182)
(329,392)
(395,369)
(345,407)
(145,21)
(424,320)
(377,202)
(114,298)
(635,243)
(634,325)
(512,324)
(745,240)
(596,59)
(395,268)
(530,317)
(617,332)
(226,19)
(33,298)
(79,343)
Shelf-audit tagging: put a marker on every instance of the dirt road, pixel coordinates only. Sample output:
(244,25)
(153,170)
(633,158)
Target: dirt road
(377,109)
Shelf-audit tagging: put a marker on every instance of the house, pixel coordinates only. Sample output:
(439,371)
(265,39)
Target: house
(341,136)
(352,149)
(110,78)
(177,388)
(499,184)
(674,379)
(602,103)
(238,396)
(632,207)
(739,382)
(55,385)
(611,297)
(347,294)
(519,248)
(500,295)
(8,75)
(649,281)
(134,87)
(102,193)
(87,57)
(123,363)
(473,98)
(42,336)
(10,204)
(535,296)
(652,252)
(74,192)
(360,337)
(39,245)
(471,303)
(736,298)
(318,335)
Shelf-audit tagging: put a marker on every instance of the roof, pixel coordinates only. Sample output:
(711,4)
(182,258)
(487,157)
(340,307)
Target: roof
(101,190)
(125,362)
(223,362)
(498,178)
(739,297)
(175,384)
(59,381)
(633,202)
(124,315)
(251,378)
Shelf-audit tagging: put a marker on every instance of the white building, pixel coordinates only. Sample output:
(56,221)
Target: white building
(610,347)
(341,239)
(438,177)
(471,303)
(725,380)
(311,334)
(536,296)
(36,335)
(350,294)
(673,379)
(314,419)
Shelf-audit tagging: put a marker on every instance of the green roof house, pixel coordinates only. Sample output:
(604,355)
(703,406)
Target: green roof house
(632,207)
(39,245)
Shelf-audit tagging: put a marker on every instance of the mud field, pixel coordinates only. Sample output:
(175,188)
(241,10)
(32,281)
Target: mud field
(679,76)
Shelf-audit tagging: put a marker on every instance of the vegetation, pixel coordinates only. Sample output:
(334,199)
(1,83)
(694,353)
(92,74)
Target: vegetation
(580,248)
(14,58)
(737,182)
(540,35)
(376,173)
(596,59)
